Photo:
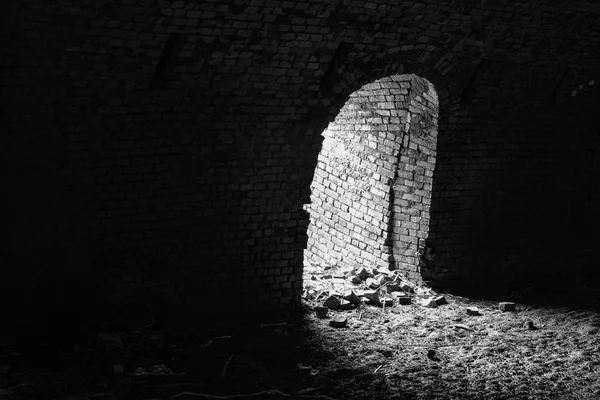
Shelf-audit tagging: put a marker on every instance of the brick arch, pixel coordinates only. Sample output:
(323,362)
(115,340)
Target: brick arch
(372,186)
(434,68)
(434,65)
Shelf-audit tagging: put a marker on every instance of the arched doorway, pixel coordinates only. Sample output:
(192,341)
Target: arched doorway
(371,190)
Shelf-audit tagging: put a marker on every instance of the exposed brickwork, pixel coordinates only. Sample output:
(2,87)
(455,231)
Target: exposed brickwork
(173,143)
(372,187)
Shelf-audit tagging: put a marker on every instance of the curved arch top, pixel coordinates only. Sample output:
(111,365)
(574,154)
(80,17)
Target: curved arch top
(372,186)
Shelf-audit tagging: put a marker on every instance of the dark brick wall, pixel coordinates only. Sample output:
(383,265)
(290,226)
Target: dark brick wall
(173,143)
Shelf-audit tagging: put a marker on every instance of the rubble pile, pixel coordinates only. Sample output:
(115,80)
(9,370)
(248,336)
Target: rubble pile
(339,289)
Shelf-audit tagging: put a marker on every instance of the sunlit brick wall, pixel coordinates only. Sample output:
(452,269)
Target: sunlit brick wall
(372,187)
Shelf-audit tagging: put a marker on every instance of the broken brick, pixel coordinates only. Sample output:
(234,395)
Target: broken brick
(321,311)
(345,305)
(333,303)
(392,287)
(430,302)
(406,287)
(440,300)
(372,283)
(372,295)
(339,322)
(404,301)
(507,306)
(473,311)
(362,273)
(386,301)
(352,297)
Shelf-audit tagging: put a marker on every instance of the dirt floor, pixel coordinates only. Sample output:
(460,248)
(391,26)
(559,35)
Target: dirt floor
(548,348)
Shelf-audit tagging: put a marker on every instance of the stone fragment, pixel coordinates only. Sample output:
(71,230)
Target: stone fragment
(365,300)
(392,287)
(430,302)
(384,271)
(404,300)
(311,294)
(440,300)
(321,311)
(381,279)
(431,354)
(372,295)
(386,301)
(530,325)
(462,326)
(406,287)
(372,283)
(362,273)
(424,292)
(375,282)
(473,311)
(352,297)
(507,306)
(345,305)
(332,302)
(339,322)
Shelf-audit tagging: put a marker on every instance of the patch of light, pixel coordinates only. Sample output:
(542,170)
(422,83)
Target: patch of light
(335,147)
(328,141)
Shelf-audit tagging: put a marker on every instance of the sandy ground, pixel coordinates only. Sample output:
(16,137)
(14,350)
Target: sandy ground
(549,348)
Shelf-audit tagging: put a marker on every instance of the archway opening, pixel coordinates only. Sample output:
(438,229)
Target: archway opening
(371,191)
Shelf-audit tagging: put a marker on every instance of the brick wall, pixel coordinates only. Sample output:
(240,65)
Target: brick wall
(173,144)
(372,186)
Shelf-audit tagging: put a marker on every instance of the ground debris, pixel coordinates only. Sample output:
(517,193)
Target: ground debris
(365,286)
(461,326)
(332,302)
(530,325)
(557,361)
(473,311)
(507,306)
(352,297)
(339,322)
(391,352)
(321,311)
(155,370)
